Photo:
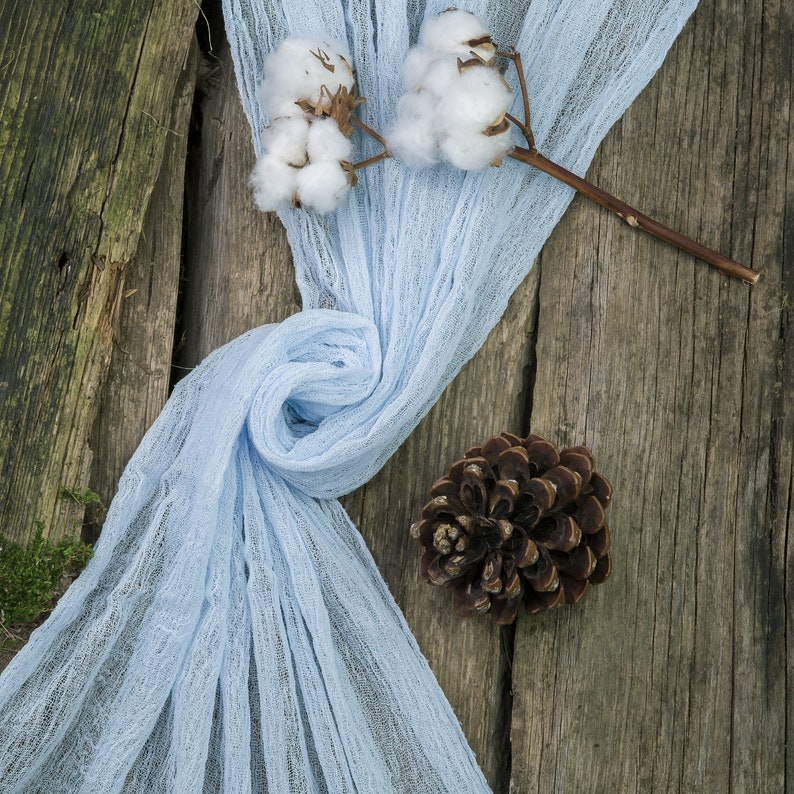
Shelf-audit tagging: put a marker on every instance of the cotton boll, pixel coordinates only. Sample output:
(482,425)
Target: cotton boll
(299,69)
(317,74)
(413,137)
(473,151)
(452,102)
(327,142)
(450,32)
(274,183)
(475,101)
(283,81)
(322,186)
(286,139)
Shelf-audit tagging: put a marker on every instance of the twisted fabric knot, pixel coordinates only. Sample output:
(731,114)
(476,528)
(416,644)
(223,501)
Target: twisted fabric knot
(314,402)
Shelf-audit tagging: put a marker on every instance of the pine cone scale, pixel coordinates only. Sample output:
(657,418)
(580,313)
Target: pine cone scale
(527,554)
(573,589)
(600,541)
(590,516)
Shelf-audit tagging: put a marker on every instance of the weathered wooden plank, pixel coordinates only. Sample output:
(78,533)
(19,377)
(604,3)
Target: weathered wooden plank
(672,675)
(238,263)
(83,95)
(136,385)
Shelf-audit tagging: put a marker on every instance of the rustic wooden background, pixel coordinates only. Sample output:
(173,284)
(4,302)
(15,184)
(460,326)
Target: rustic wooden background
(130,250)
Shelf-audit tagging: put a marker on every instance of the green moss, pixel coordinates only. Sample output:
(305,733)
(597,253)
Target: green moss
(88,498)
(32,577)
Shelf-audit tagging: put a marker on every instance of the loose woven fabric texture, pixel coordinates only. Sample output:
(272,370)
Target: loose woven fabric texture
(232,632)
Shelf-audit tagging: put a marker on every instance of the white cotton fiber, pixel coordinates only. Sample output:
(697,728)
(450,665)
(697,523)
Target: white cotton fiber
(473,151)
(442,76)
(327,142)
(283,84)
(417,62)
(299,69)
(450,32)
(286,139)
(322,186)
(478,99)
(413,137)
(274,183)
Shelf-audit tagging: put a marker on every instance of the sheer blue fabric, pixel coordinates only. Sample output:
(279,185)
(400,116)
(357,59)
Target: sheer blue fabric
(232,632)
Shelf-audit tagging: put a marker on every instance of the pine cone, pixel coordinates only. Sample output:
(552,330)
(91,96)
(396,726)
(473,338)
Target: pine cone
(514,521)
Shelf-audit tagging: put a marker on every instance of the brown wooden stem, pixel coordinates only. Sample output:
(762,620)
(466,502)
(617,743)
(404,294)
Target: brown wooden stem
(634,218)
(531,156)
(365,128)
(376,158)
(369,131)
(526,126)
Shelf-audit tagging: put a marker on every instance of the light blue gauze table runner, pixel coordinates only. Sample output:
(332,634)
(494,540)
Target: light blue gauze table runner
(232,633)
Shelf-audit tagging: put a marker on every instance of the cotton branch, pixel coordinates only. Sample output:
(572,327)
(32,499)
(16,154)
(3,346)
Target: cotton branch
(455,109)
(637,220)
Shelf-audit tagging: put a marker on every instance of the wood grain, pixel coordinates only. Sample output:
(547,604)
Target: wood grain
(238,265)
(671,676)
(83,93)
(136,385)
